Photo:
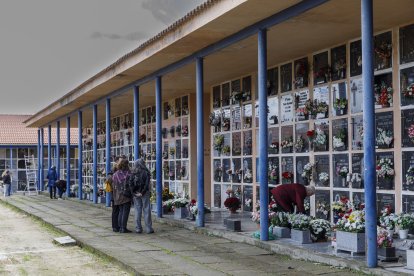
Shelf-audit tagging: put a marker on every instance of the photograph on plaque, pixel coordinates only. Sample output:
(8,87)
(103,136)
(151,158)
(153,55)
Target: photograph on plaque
(247,116)
(301,175)
(339,99)
(357,132)
(287,108)
(236,92)
(321,101)
(216,97)
(406,44)
(273,140)
(408,170)
(273,81)
(383,51)
(301,73)
(407,127)
(247,88)
(340,167)
(407,86)
(247,170)
(383,90)
(385,170)
(287,169)
(338,61)
(273,113)
(236,117)
(321,68)
(340,134)
(225,94)
(273,170)
(408,203)
(217,170)
(321,135)
(247,198)
(247,142)
(355,58)
(322,204)
(357,96)
(384,133)
(322,171)
(226,169)
(236,142)
(301,143)
(286,142)
(383,201)
(357,175)
(236,170)
(300,100)
(286,77)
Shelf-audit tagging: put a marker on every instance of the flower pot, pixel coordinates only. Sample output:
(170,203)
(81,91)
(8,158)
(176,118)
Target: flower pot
(343,182)
(403,233)
(387,254)
(349,241)
(281,232)
(180,213)
(301,236)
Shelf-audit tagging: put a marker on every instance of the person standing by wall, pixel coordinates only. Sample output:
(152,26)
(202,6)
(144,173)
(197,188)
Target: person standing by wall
(52,176)
(7,182)
(139,183)
(122,194)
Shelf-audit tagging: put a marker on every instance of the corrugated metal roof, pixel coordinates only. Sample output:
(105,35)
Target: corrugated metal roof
(14,132)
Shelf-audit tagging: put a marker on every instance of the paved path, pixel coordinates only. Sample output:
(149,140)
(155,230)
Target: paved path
(26,248)
(169,251)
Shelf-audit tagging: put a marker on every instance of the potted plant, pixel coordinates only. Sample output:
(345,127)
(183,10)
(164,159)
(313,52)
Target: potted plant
(320,139)
(218,142)
(319,228)
(387,220)
(385,171)
(226,150)
(386,252)
(281,226)
(339,140)
(232,202)
(404,223)
(340,105)
(287,144)
(180,207)
(350,234)
(299,144)
(300,228)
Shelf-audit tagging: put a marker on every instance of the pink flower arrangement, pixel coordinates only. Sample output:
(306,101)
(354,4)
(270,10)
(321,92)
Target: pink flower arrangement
(383,238)
(411,132)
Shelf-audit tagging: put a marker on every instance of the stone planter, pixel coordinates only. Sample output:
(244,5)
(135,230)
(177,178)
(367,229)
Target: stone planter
(300,236)
(387,254)
(181,213)
(281,232)
(351,242)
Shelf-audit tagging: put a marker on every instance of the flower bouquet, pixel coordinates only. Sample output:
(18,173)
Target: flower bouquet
(409,91)
(274,147)
(383,94)
(273,173)
(287,144)
(320,138)
(322,109)
(299,144)
(387,220)
(409,176)
(386,252)
(300,228)
(404,223)
(218,142)
(226,150)
(232,202)
(319,228)
(343,173)
(180,207)
(324,178)
(385,168)
(287,176)
(353,222)
(384,138)
(307,171)
(339,140)
(340,105)
(323,209)
(184,131)
(410,131)
(311,135)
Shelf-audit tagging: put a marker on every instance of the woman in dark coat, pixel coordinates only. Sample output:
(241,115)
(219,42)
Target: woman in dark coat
(52,176)
(120,194)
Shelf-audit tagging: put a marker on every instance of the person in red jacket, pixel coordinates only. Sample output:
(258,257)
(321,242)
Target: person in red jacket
(288,195)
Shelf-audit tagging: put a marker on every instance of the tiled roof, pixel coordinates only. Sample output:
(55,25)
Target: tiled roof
(14,132)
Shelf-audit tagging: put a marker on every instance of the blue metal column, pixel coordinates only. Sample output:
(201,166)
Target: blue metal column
(58,149)
(136,122)
(38,160)
(200,140)
(369,131)
(68,172)
(95,152)
(263,151)
(49,147)
(11,168)
(80,159)
(42,149)
(158,144)
(108,146)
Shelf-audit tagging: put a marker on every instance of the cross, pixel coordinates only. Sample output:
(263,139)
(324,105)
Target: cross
(406,204)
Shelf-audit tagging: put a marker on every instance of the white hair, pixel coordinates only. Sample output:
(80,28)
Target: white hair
(310,190)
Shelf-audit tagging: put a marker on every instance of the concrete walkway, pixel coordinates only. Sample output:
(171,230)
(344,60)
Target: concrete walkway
(171,250)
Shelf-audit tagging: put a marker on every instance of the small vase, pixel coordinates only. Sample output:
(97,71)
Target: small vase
(403,233)
(343,182)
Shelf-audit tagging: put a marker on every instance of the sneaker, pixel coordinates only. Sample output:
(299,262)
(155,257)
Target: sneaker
(150,231)
(138,231)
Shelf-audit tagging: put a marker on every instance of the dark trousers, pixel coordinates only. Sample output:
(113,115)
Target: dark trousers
(115,214)
(123,215)
(52,191)
(60,192)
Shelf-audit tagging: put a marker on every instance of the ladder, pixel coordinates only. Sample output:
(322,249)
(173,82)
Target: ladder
(31,175)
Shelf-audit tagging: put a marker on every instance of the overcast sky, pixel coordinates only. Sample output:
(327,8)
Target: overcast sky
(48,47)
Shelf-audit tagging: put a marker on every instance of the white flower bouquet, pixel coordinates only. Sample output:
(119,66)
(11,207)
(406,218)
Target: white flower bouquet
(385,168)
(324,177)
(319,228)
(353,222)
(299,221)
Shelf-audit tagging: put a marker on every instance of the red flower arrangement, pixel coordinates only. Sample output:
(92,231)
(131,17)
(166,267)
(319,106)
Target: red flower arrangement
(409,91)
(232,203)
(310,134)
(287,175)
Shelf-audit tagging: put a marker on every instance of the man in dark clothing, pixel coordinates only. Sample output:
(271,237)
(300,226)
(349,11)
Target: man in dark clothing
(61,186)
(288,195)
(52,176)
